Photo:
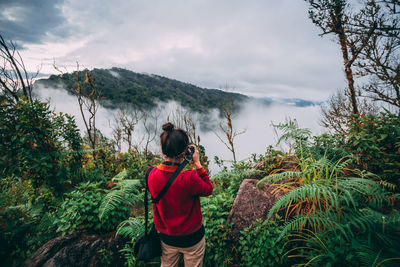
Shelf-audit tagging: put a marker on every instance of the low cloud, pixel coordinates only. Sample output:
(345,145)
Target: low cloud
(254,117)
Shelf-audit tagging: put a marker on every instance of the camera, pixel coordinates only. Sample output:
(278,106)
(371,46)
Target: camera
(189,153)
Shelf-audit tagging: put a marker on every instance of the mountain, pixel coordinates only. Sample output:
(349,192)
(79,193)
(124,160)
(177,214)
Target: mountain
(120,86)
(298,102)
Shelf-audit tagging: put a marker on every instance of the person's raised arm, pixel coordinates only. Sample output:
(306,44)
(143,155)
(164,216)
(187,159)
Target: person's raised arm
(200,182)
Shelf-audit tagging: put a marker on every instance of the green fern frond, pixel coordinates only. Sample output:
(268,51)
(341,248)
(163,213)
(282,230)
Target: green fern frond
(120,176)
(132,227)
(365,188)
(317,221)
(279,177)
(309,192)
(111,201)
(127,192)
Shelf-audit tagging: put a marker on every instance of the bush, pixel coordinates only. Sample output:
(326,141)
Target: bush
(37,144)
(258,244)
(215,210)
(24,222)
(335,213)
(80,210)
(230,181)
(375,140)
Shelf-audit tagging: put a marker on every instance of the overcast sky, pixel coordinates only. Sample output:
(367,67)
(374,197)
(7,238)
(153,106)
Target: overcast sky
(257,47)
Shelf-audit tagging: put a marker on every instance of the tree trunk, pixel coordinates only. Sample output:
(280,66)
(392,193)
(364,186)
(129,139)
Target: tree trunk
(348,71)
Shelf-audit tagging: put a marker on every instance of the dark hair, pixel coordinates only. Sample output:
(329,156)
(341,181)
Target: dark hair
(174,141)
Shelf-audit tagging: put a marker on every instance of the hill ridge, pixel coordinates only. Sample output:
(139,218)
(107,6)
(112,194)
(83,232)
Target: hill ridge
(119,86)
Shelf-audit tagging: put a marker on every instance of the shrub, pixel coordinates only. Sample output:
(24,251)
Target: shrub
(375,140)
(215,210)
(80,210)
(337,214)
(37,144)
(24,222)
(258,245)
(230,181)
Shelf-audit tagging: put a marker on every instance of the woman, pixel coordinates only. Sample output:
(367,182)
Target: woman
(177,216)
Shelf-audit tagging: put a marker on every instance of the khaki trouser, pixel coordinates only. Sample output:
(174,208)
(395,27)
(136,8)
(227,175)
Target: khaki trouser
(193,256)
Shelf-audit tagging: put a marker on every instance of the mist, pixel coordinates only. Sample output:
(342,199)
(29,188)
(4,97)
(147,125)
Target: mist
(254,118)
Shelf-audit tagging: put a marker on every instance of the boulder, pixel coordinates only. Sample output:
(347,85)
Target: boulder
(251,203)
(79,249)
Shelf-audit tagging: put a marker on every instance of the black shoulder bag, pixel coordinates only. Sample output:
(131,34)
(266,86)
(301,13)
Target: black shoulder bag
(148,245)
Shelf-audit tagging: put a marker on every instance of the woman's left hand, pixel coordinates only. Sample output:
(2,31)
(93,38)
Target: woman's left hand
(196,157)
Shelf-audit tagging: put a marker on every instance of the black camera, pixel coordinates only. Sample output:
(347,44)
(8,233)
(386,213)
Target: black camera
(189,153)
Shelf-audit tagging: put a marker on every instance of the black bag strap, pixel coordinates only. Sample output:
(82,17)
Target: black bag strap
(146,205)
(170,181)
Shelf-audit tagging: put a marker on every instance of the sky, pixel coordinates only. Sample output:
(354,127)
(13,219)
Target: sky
(262,48)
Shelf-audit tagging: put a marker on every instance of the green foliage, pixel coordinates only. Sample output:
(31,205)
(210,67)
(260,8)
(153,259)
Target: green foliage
(24,222)
(379,246)
(132,228)
(126,192)
(220,163)
(259,245)
(37,144)
(105,256)
(80,210)
(229,181)
(335,214)
(215,213)
(143,90)
(375,140)
(38,160)
(294,136)
(333,147)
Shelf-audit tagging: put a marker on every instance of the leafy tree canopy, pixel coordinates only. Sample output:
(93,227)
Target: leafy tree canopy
(120,86)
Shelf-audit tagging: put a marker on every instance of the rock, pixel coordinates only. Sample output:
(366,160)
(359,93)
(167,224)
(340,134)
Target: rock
(250,204)
(78,249)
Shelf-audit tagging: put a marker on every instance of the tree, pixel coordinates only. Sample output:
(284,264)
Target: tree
(88,99)
(90,103)
(337,111)
(128,119)
(227,128)
(188,121)
(150,125)
(117,133)
(368,35)
(38,145)
(14,77)
(333,17)
(380,60)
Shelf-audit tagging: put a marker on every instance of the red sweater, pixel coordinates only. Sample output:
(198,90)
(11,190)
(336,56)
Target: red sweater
(178,212)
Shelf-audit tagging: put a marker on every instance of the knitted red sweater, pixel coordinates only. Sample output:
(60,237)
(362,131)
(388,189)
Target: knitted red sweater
(178,212)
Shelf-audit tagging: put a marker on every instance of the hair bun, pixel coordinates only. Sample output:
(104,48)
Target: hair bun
(168,127)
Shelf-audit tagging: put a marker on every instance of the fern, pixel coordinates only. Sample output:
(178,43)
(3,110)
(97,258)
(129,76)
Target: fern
(133,227)
(314,192)
(318,221)
(279,177)
(341,208)
(127,192)
(120,176)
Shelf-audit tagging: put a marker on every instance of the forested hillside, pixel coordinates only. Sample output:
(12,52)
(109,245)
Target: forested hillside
(120,86)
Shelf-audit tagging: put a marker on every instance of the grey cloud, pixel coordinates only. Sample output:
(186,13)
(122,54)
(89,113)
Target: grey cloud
(253,46)
(28,21)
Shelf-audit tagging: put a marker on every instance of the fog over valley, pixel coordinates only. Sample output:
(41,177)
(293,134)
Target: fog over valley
(254,118)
